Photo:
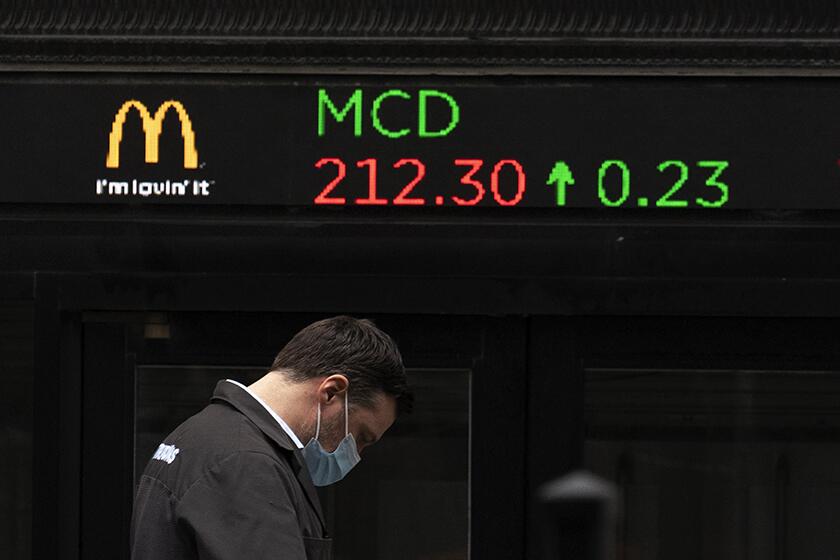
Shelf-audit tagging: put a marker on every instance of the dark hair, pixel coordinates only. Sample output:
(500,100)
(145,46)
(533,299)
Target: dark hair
(355,348)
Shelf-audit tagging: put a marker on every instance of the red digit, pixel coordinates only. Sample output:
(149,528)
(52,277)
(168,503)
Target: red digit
(467,179)
(371,199)
(342,172)
(520,182)
(402,198)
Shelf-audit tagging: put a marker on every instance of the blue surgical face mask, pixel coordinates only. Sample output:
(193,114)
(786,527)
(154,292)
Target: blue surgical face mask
(327,468)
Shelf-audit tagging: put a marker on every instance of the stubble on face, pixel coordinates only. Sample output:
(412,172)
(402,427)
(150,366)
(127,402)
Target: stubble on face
(332,429)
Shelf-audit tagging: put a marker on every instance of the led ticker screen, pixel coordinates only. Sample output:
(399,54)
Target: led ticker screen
(652,144)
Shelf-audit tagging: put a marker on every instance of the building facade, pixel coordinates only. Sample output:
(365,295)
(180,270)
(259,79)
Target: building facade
(602,234)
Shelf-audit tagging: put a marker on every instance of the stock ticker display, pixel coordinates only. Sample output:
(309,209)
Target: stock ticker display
(611,143)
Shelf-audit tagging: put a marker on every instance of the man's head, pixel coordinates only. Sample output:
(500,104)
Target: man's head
(338,356)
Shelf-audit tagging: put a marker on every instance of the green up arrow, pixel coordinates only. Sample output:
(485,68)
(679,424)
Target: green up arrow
(562,175)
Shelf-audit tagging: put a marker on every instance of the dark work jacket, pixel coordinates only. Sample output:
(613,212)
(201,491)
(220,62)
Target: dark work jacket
(228,484)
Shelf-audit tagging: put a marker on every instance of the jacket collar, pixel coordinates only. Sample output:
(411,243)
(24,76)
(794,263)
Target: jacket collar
(245,403)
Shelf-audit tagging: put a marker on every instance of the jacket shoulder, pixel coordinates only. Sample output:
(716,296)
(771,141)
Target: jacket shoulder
(204,441)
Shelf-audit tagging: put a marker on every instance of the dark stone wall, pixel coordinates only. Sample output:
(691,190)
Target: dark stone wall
(16,409)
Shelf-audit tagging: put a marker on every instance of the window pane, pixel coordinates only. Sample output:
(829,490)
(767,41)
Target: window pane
(719,464)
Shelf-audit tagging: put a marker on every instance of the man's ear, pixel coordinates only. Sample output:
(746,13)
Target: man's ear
(335,385)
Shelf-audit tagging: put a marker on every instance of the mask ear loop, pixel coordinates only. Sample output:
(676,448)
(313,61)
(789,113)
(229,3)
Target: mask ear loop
(346,416)
(318,426)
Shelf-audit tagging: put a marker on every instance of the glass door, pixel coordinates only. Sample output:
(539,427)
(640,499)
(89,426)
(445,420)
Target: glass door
(413,494)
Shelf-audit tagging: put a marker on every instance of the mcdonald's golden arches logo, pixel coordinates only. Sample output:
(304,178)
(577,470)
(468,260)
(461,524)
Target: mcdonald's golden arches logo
(152,127)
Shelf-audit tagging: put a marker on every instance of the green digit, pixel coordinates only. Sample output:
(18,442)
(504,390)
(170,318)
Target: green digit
(625,182)
(665,200)
(719,167)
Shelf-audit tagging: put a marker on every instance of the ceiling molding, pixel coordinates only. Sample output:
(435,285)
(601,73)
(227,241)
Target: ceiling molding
(437,32)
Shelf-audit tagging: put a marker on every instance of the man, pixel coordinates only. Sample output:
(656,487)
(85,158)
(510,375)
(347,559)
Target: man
(235,481)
